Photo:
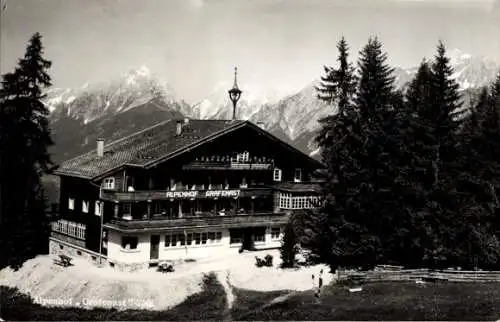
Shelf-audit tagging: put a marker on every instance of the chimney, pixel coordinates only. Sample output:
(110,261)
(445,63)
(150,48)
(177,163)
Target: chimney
(100,148)
(178,130)
(261,125)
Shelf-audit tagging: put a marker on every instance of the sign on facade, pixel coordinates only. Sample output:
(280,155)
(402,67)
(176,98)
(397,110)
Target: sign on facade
(199,194)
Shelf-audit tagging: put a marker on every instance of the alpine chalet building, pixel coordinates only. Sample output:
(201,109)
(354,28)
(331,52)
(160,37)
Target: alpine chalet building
(181,189)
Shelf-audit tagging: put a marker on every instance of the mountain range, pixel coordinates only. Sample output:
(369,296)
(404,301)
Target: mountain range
(139,98)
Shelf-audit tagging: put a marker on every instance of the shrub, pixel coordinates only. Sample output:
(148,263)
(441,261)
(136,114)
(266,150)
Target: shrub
(268,260)
(289,248)
(259,262)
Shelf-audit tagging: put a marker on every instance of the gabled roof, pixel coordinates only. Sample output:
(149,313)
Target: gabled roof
(152,146)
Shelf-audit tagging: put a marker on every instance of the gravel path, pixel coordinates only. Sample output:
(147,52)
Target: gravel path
(224,278)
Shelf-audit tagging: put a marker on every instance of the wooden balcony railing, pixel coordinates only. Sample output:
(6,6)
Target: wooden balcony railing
(224,165)
(304,186)
(234,221)
(145,195)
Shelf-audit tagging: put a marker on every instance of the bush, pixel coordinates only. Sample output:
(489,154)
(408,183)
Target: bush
(289,247)
(269,260)
(259,262)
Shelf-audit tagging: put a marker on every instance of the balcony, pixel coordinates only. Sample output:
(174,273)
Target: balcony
(182,193)
(227,165)
(304,186)
(228,221)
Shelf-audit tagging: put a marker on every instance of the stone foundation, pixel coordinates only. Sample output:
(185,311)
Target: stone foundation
(59,247)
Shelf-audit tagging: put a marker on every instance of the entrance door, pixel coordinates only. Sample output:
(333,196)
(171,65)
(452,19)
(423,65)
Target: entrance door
(247,243)
(155,245)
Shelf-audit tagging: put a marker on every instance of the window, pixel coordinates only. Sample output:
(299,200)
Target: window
(235,237)
(211,238)
(218,237)
(277,174)
(171,240)
(109,183)
(69,228)
(129,242)
(71,204)
(182,239)
(259,236)
(275,233)
(298,175)
(285,199)
(189,239)
(127,210)
(97,209)
(85,206)
(204,238)
(197,238)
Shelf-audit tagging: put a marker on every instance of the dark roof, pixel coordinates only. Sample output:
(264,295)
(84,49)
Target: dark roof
(154,145)
(144,147)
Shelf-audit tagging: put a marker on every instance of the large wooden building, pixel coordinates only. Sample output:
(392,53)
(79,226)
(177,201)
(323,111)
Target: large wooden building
(181,189)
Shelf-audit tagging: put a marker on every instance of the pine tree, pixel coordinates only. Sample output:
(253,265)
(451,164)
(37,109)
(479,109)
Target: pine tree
(478,205)
(445,107)
(445,121)
(337,89)
(336,138)
(377,200)
(415,162)
(355,191)
(23,154)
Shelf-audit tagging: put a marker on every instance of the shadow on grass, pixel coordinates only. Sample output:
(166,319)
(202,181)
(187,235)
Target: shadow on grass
(209,304)
(380,301)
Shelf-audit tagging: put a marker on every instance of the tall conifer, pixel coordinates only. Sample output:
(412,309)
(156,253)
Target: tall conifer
(24,140)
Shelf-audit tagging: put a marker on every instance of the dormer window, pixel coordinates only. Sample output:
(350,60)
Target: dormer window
(109,183)
(298,175)
(277,174)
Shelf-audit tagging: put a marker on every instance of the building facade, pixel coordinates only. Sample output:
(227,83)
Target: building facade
(181,189)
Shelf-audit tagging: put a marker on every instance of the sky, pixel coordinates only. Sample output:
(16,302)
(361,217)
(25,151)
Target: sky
(278,44)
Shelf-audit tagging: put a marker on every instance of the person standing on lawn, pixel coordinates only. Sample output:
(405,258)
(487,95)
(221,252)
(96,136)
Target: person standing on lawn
(320,282)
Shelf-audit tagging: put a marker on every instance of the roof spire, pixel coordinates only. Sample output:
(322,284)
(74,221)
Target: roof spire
(235,85)
(235,92)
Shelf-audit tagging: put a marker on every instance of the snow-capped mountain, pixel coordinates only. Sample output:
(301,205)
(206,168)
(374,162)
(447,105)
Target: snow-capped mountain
(135,88)
(111,109)
(140,98)
(216,105)
(296,116)
(469,71)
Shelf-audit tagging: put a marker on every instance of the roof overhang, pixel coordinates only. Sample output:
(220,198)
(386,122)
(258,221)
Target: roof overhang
(237,125)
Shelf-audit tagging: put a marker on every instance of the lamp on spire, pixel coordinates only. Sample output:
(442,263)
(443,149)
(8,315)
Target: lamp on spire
(235,92)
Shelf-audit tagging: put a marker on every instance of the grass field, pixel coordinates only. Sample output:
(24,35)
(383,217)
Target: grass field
(378,301)
(381,301)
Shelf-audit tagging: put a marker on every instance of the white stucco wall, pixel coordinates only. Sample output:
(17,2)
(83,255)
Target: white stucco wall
(142,254)
(117,253)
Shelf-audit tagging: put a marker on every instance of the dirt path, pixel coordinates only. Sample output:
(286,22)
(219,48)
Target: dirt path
(224,278)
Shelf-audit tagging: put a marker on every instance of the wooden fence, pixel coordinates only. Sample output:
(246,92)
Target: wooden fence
(386,275)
